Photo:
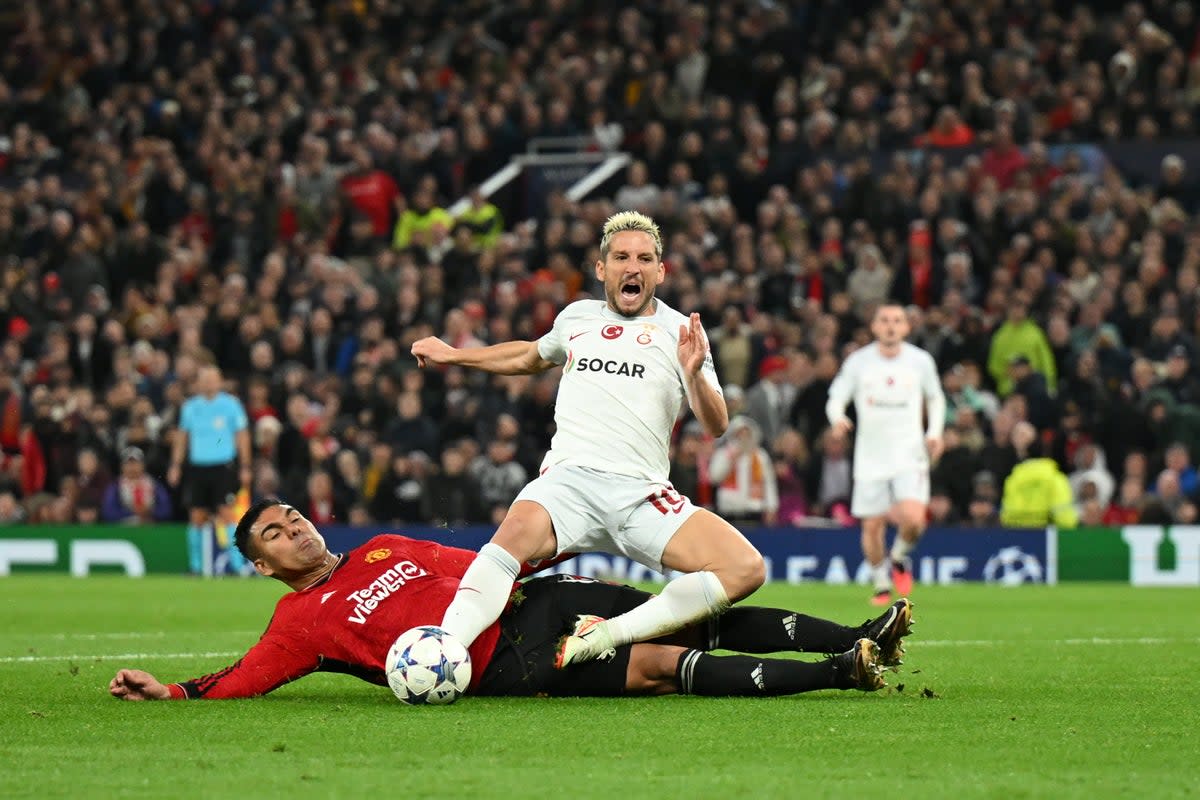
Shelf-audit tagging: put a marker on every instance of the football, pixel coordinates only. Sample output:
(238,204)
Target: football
(428,666)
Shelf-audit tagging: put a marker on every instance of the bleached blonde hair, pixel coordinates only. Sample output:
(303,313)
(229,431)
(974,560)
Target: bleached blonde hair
(630,221)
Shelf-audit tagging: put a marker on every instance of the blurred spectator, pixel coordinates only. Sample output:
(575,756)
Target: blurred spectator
(1126,507)
(347,479)
(948,130)
(1168,494)
(999,456)
(401,496)
(790,457)
(1031,385)
(942,512)
(135,497)
(1019,336)
(768,400)
(954,469)
(733,348)
(91,484)
(638,193)
(482,219)
(500,478)
(322,505)
(1036,493)
(1091,513)
(455,494)
(869,282)
(371,192)
(744,476)
(960,395)
(982,512)
(1175,423)
(11,512)
(417,223)
(1179,380)
(829,478)
(1090,468)
(689,464)
(1179,461)
(1003,160)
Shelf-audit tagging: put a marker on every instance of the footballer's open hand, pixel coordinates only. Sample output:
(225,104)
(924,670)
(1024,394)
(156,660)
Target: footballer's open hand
(693,346)
(136,684)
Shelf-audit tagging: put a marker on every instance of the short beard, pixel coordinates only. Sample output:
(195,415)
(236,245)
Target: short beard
(614,297)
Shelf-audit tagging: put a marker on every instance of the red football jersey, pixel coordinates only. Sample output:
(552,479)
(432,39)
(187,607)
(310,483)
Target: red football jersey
(347,622)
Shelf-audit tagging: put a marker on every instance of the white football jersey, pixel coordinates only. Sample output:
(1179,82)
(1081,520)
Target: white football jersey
(889,395)
(622,388)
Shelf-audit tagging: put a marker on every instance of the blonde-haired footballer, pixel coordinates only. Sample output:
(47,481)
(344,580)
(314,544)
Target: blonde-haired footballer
(629,363)
(891,383)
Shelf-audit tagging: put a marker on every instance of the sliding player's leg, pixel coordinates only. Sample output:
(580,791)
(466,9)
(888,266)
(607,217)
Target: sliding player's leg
(664,669)
(524,661)
(752,629)
(721,565)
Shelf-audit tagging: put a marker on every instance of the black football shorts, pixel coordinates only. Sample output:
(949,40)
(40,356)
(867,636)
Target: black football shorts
(542,612)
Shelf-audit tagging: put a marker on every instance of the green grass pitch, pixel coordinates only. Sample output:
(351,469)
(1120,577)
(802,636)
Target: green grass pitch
(1069,691)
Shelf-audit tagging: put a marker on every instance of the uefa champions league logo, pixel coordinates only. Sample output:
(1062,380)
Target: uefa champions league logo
(1012,566)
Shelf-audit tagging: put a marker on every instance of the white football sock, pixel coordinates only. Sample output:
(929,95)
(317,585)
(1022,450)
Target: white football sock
(881,574)
(901,547)
(687,599)
(482,593)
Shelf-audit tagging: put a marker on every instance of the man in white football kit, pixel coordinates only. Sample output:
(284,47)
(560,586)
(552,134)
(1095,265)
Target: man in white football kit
(628,364)
(891,383)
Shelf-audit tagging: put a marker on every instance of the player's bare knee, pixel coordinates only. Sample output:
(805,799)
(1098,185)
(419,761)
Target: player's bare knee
(874,526)
(526,534)
(743,573)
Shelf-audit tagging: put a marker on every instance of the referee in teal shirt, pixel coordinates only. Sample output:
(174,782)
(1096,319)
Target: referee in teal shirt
(214,442)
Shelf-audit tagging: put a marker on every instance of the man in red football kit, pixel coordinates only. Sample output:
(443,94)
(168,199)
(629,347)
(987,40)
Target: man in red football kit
(345,611)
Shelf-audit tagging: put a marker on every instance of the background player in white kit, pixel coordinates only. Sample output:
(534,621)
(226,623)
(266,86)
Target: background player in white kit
(628,365)
(891,383)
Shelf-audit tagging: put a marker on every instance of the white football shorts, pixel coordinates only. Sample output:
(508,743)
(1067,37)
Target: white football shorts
(874,498)
(599,512)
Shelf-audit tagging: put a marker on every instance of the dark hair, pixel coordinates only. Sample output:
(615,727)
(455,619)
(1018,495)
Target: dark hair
(241,536)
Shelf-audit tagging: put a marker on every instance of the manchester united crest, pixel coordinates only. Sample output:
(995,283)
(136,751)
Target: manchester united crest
(377,555)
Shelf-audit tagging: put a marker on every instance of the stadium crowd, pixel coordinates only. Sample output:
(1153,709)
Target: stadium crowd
(264,186)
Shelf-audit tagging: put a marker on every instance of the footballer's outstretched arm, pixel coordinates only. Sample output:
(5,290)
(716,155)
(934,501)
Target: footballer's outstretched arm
(506,358)
(267,665)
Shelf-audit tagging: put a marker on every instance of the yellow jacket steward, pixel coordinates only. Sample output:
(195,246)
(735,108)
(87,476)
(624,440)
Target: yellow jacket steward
(1036,494)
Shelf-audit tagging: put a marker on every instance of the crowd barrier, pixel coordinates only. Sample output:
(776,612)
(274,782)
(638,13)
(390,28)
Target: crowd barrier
(1140,555)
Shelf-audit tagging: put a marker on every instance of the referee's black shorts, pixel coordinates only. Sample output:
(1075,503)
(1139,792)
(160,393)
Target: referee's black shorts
(210,487)
(542,612)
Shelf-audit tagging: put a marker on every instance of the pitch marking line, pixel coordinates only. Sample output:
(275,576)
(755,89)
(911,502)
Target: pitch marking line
(88,637)
(915,643)
(120,656)
(1095,640)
